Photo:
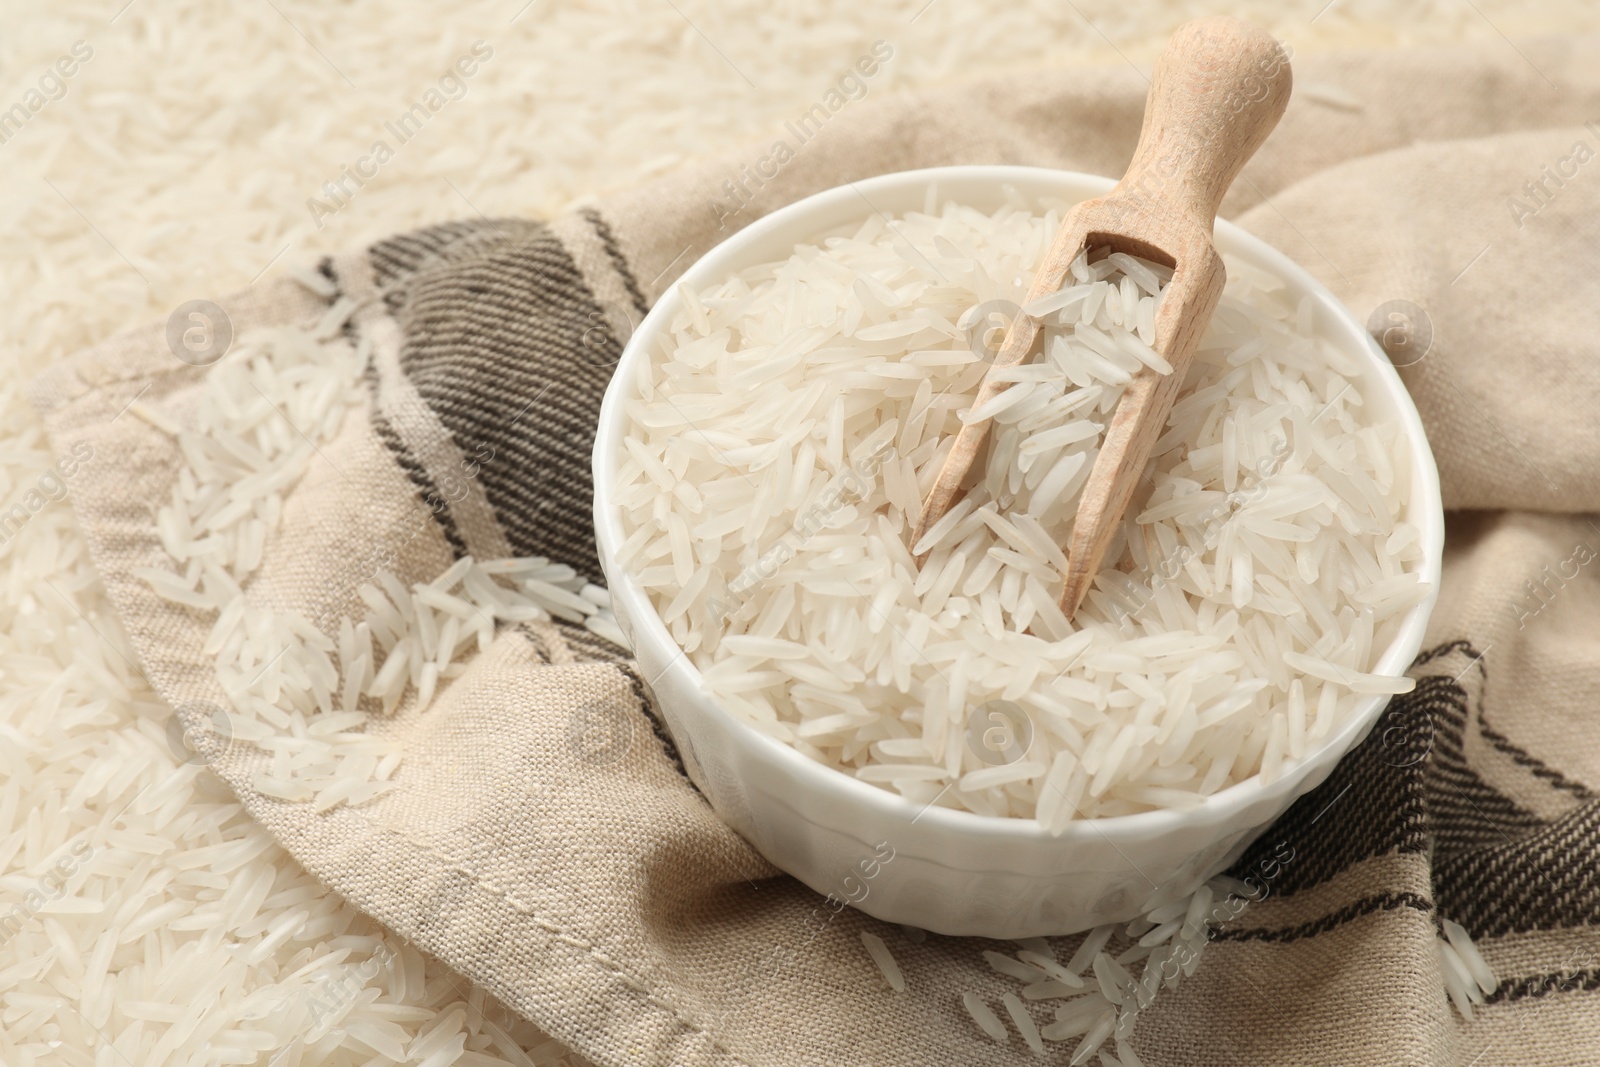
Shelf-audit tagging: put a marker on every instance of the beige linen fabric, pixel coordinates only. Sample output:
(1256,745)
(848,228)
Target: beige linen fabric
(595,891)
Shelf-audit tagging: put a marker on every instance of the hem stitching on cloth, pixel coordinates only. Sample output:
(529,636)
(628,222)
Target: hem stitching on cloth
(559,932)
(1355,910)
(604,961)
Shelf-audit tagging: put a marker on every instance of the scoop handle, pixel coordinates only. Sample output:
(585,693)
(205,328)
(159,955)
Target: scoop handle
(1219,88)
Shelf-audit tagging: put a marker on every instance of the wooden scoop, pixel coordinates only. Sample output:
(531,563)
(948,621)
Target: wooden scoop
(1219,88)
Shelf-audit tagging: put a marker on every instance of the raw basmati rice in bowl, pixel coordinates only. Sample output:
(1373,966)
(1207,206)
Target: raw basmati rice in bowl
(764,448)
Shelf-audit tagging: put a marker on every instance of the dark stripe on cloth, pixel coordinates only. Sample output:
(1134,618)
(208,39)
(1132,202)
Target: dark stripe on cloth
(414,471)
(1536,766)
(396,257)
(505,342)
(1354,910)
(1465,812)
(413,468)
(657,727)
(1497,866)
(1371,805)
(1540,879)
(587,647)
(602,230)
(1514,989)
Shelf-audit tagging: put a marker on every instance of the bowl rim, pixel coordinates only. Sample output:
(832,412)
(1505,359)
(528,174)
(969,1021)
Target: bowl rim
(1218,807)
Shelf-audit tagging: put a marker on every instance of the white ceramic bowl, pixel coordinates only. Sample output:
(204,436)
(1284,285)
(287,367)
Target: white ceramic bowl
(944,870)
